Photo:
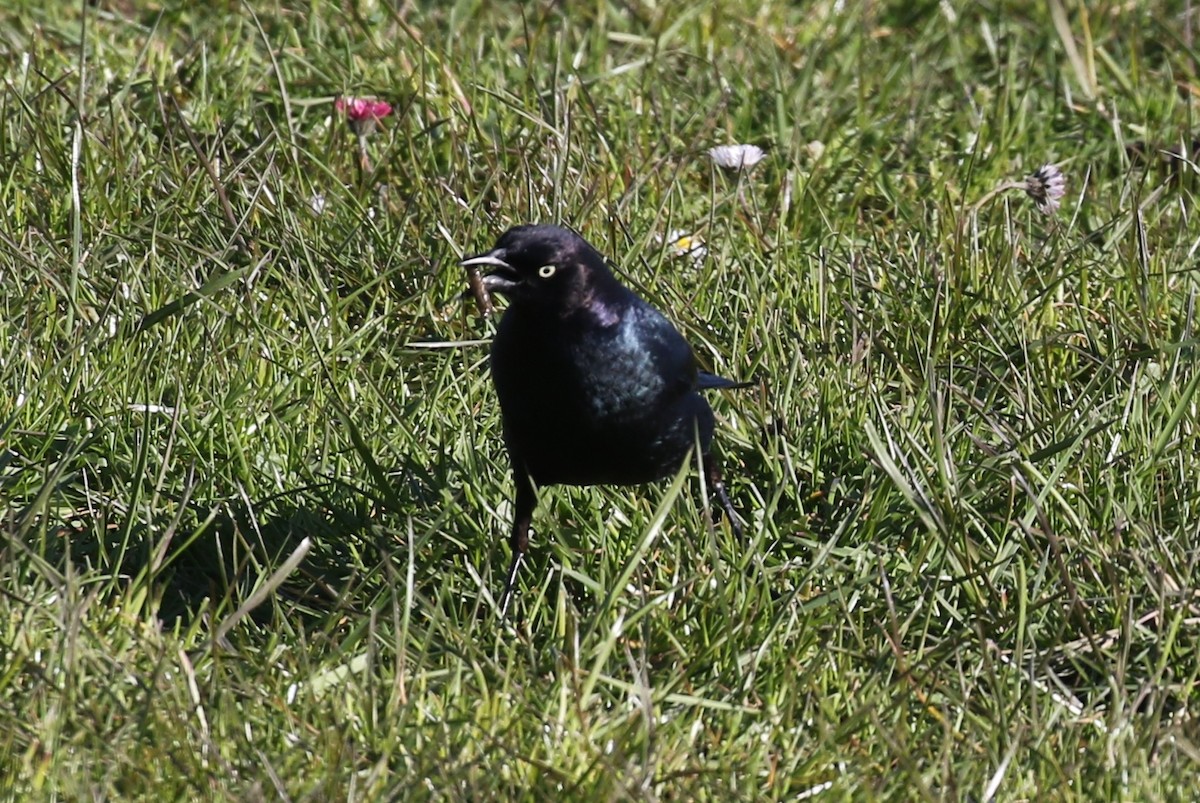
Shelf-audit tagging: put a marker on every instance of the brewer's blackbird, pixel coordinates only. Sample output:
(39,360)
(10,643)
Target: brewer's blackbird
(596,387)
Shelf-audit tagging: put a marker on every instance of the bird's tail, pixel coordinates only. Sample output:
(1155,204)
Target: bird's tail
(707,381)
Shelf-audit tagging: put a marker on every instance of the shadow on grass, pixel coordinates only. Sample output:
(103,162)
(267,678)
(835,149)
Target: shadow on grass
(212,556)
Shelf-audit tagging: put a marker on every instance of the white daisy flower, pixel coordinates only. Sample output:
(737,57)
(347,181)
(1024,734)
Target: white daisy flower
(682,244)
(1046,187)
(736,157)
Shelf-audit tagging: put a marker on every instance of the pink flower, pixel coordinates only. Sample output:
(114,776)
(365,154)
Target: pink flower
(362,113)
(1046,187)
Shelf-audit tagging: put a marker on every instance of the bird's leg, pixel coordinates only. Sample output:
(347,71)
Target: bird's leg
(712,476)
(519,540)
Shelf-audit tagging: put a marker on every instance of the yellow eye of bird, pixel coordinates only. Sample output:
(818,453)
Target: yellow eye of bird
(546,271)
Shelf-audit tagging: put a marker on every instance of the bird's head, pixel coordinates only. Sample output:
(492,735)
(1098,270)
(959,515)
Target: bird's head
(542,264)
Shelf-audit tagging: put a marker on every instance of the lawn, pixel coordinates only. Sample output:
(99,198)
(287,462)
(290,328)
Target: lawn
(254,501)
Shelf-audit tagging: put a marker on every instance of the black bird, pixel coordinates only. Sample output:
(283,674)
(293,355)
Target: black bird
(596,387)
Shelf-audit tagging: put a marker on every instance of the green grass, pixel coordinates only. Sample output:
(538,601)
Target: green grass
(969,471)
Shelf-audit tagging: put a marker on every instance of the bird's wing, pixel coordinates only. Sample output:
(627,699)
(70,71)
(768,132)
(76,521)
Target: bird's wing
(707,381)
(675,356)
(659,337)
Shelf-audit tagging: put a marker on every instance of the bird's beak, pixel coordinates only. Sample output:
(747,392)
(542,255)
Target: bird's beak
(501,278)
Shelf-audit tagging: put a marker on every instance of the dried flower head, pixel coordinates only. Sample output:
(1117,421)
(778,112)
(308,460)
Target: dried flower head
(682,244)
(736,157)
(362,113)
(1046,186)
